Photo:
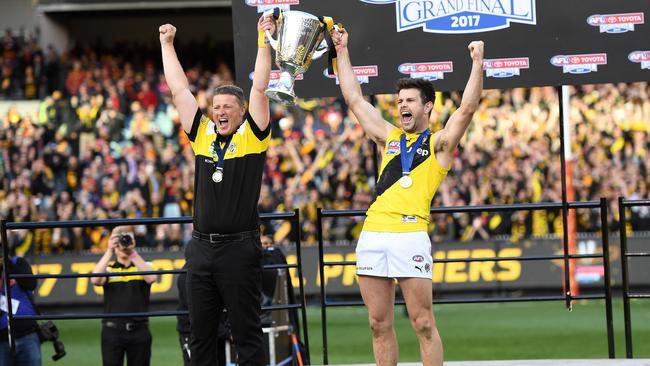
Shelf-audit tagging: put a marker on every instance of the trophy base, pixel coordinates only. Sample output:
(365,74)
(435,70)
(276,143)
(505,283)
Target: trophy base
(281,96)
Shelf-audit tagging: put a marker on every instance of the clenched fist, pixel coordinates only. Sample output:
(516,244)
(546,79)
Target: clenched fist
(266,23)
(167,33)
(476,50)
(339,37)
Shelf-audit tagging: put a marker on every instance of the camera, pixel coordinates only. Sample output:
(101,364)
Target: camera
(48,331)
(125,240)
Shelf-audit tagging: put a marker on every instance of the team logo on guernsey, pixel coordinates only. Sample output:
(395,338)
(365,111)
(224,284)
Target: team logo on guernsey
(505,67)
(616,23)
(640,57)
(579,64)
(427,267)
(363,73)
(460,16)
(274,77)
(393,147)
(427,70)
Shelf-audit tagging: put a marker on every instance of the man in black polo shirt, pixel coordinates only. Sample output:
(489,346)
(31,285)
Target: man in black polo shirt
(124,294)
(224,258)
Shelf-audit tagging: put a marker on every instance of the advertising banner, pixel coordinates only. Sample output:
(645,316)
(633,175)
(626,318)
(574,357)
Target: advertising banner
(475,276)
(527,42)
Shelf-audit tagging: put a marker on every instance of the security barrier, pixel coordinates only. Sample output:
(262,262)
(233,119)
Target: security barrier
(294,217)
(568,297)
(627,295)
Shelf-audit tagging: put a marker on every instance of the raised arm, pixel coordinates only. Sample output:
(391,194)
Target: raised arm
(142,266)
(369,117)
(258,106)
(102,264)
(175,76)
(447,139)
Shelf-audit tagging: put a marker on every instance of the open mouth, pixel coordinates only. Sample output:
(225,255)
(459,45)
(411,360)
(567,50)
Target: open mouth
(223,123)
(406,117)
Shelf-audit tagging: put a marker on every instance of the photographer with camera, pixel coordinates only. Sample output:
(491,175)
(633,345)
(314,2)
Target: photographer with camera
(124,294)
(28,344)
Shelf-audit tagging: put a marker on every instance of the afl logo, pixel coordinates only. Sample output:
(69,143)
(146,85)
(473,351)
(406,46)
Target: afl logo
(418,258)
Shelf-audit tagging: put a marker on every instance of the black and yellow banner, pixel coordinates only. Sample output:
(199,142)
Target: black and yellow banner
(542,275)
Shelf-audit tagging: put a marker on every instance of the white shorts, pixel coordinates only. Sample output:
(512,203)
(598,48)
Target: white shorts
(394,255)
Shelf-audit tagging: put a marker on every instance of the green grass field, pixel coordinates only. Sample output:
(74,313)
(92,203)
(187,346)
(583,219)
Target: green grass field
(469,332)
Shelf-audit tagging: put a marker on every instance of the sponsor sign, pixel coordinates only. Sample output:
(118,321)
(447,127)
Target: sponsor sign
(363,73)
(616,23)
(579,64)
(274,77)
(427,70)
(640,57)
(505,67)
(460,16)
(264,5)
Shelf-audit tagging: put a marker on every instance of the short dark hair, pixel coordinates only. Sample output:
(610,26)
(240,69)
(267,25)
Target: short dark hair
(427,91)
(229,89)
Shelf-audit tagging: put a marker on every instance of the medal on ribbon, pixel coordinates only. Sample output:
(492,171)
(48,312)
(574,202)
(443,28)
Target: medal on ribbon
(218,155)
(407,157)
(217,176)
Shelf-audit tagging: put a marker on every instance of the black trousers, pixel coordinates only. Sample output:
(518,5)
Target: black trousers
(229,275)
(184,340)
(135,344)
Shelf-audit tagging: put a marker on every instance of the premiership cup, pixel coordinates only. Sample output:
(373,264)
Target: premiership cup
(299,42)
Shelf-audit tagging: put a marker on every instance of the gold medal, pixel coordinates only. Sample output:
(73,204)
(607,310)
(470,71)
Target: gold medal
(217,176)
(406,181)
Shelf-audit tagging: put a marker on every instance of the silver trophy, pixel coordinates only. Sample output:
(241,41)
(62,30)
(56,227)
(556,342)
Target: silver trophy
(300,40)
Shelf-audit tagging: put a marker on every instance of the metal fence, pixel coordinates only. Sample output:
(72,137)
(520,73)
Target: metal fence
(566,257)
(568,297)
(623,204)
(293,217)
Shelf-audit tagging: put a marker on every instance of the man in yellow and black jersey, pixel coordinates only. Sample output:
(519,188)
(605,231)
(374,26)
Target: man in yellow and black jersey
(394,243)
(224,257)
(124,294)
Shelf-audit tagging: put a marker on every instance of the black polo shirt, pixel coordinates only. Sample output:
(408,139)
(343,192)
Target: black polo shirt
(125,294)
(231,205)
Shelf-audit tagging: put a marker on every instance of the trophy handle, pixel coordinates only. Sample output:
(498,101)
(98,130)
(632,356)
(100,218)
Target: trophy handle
(320,51)
(272,41)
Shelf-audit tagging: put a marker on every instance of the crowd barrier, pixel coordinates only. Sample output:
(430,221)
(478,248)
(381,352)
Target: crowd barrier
(294,217)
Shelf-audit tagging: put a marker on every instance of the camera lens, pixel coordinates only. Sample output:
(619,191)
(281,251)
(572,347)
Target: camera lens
(126,240)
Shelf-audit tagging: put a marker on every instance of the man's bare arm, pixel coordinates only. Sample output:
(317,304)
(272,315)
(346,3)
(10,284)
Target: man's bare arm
(175,76)
(259,102)
(369,117)
(448,138)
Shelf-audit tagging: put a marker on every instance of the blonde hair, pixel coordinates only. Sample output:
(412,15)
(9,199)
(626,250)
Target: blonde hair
(124,229)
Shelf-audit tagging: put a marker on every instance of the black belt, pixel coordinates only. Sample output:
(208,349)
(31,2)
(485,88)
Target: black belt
(126,326)
(222,238)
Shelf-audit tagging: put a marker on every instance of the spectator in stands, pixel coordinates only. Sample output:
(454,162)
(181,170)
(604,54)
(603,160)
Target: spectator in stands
(124,294)
(520,141)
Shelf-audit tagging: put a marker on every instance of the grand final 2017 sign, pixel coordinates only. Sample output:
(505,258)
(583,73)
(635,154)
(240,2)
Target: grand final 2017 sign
(527,42)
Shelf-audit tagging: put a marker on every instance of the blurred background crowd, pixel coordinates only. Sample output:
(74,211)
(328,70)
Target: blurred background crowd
(105,142)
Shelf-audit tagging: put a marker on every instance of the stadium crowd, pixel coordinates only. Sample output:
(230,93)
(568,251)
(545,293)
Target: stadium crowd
(106,142)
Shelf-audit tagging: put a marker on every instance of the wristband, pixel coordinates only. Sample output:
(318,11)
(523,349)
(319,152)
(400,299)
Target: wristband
(262,41)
